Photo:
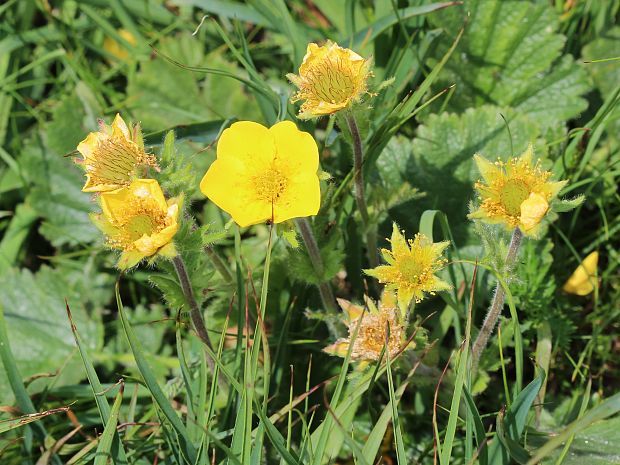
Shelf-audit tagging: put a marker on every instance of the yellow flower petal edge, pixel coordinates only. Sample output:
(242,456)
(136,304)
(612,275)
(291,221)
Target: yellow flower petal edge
(264,174)
(411,267)
(330,79)
(373,329)
(583,280)
(112,156)
(138,221)
(516,193)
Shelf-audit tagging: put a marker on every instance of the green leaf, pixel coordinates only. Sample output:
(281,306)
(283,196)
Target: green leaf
(41,339)
(509,57)
(605,74)
(104,448)
(165,95)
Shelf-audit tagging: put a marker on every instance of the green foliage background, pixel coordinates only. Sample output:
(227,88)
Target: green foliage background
(478,76)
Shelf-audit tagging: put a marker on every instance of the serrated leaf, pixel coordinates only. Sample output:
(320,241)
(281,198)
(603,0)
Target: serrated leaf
(507,57)
(566,205)
(38,328)
(165,95)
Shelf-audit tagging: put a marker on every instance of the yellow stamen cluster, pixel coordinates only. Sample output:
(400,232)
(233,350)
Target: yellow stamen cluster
(411,267)
(515,193)
(112,156)
(330,79)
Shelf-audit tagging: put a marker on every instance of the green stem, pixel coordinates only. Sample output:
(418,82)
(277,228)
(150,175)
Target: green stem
(327,296)
(219,264)
(188,292)
(497,304)
(360,196)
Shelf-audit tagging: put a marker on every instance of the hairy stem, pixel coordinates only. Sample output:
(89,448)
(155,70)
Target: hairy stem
(327,296)
(188,292)
(490,321)
(359,192)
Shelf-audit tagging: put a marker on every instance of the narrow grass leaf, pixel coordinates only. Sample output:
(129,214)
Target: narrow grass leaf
(104,448)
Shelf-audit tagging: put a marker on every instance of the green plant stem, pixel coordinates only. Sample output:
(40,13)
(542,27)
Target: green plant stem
(219,264)
(188,292)
(359,192)
(327,296)
(490,321)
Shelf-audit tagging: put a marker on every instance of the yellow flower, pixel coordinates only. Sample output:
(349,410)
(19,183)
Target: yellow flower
(373,330)
(411,267)
(112,156)
(515,193)
(116,49)
(583,280)
(330,78)
(138,221)
(263,174)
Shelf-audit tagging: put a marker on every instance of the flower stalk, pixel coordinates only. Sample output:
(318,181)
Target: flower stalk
(325,290)
(188,293)
(490,321)
(359,191)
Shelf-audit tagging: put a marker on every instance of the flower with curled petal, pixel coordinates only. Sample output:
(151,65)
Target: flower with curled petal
(264,174)
(411,267)
(330,79)
(112,155)
(516,193)
(139,221)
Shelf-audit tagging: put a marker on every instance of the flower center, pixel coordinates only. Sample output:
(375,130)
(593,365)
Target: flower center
(141,217)
(332,82)
(270,185)
(512,194)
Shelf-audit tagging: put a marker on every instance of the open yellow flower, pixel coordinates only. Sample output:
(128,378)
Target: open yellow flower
(411,267)
(330,79)
(372,334)
(516,193)
(138,221)
(583,280)
(264,174)
(112,155)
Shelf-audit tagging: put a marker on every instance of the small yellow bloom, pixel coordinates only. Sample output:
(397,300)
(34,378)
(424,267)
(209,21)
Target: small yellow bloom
(330,79)
(515,193)
(263,174)
(116,49)
(138,221)
(583,280)
(372,334)
(411,267)
(112,155)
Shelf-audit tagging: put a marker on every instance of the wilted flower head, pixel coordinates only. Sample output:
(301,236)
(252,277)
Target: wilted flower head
(583,280)
(372,334)
(330,79)
(411,267)
(112,155)
(515,193)
(138,221)
(264,174)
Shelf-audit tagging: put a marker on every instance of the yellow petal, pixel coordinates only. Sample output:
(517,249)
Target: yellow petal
(339,348)
(119,127)
(129,259)
(89,144)
(296,148)
(352,311)
(583,280)
(169,250)
(488,170)
(533,210)
(149,188)
(300,199)
(247,145)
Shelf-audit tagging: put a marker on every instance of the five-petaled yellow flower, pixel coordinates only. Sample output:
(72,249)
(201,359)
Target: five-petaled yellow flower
(264,174)
(138,221)
(411,267)
(375,326)
(583,280)
(112,155)
(330,79)
(516,193)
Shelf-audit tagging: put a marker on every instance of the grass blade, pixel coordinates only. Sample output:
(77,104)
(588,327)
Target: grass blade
(104,448)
